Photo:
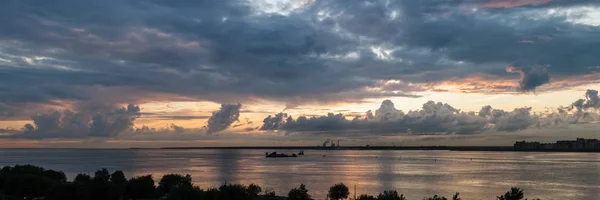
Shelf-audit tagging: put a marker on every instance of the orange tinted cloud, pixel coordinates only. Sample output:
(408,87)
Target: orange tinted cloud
(479,83)
(511,3)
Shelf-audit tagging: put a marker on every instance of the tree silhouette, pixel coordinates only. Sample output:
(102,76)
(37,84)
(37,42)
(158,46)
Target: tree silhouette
(390,195)
(170,182)
(186,192)
(141,187)
(100,187)
(269,193)
(436,197)
(455,197)
(513,194)
(29,180)
(299,193)
(254,190)
(366,197)
(82,179)
(118,182)
(68,191)
(338,191)
(235,191)
(102,176)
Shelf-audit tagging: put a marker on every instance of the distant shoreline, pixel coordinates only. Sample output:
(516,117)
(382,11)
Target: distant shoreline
(393,148)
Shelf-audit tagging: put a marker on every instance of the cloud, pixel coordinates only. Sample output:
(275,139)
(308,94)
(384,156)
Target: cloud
(387,112)
(432,118)
(531,77)
(321,51)
(223,118)
(436,118)
(591,101)
(181,117)
(89,120)
(166,131)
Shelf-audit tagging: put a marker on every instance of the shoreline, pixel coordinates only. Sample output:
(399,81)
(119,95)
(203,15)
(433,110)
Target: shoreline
(390,148)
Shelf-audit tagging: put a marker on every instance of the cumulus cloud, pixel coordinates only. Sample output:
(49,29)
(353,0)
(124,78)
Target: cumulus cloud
(90,120)
(591,101)
(171,129)
(223,118)
(437,118)
(432,118)
(387,112)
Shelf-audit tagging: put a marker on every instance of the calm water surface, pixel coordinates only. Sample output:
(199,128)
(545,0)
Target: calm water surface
(413,173)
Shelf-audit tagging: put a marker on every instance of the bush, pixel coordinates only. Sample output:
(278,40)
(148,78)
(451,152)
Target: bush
(269,193)
(55,176)
(299,193)
(186,193)
(235,191)
(68,191)
(82,179)
(212,194)
(170,182)
(455,197)
(141,187)
(118,182)
(435,197)
(390,195)
(366,197)
(102,176)
(29,180)
(338,191)
(253,190)
(513,194)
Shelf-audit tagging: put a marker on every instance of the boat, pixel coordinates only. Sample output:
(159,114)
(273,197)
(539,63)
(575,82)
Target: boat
(276,155)
(301,153)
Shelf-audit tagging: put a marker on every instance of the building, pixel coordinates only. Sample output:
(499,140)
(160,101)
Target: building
(580,144)
(524,145)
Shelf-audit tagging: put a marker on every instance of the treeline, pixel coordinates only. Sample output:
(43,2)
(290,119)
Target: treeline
(32,182)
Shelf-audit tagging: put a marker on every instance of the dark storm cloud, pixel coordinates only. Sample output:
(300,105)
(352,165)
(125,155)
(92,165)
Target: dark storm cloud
(223,118)
(89,120)
(531,77)
(325,51)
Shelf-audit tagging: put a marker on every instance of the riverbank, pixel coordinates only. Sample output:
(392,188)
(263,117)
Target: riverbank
(391,148)
(33,182)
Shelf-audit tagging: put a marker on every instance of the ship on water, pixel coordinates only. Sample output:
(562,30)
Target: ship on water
(276,155)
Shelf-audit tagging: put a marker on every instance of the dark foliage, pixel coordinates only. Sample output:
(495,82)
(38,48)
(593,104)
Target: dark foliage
(141,187)
(390,195)
(299,193)
(513,194)
(235,191)
(82,179)
(100,187)
(186,193)
(102,176)
(68,191)
(366,197)
(435,197)
(254,190)
(118,182)
(338,191)
(29,180)
(170,182)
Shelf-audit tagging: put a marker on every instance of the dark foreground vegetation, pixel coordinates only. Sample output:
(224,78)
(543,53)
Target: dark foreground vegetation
(32,182)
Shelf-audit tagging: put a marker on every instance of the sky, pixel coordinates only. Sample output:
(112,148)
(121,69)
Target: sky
(155,73)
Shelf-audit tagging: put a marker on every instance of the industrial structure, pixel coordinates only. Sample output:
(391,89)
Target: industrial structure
(331,143)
